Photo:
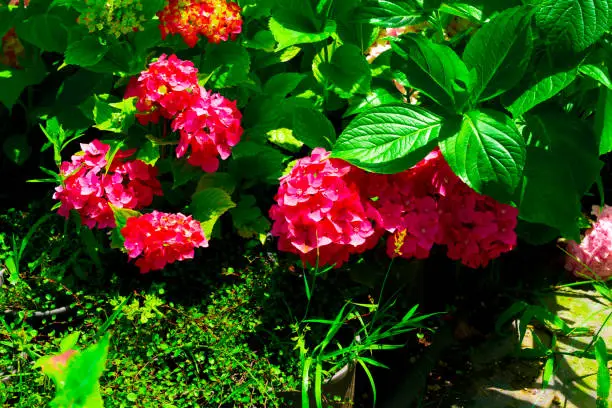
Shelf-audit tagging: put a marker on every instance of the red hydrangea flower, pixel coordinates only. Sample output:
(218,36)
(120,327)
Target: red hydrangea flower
(162,239)
(210,127)
(474,227)
(164,89)
(319,214)
(217,20)
(89,188)
(593,256)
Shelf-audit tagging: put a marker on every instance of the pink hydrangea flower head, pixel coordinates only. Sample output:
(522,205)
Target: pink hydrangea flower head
(474,227)
(210,127)
(217,20)
(158,239)
(319,214)
(90,184)
(592,258)
(164,89)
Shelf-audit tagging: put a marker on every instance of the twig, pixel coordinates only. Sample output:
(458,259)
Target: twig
(51,312)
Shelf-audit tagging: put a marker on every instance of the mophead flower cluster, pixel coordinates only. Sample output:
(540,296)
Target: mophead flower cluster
(208,123)
(93,182)
(217,20)
(327,209)
(161,238)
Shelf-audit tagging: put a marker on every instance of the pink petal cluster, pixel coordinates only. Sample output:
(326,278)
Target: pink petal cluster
(91,183)
(161,238)
(217,20)
(207,122)
(593,257)
(164,89)
(425,205)
(210,127)
(319,214)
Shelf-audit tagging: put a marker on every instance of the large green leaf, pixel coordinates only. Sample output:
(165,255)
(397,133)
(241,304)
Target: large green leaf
(227,63)
(313,128)
(553,186)
(499,52)
(390,13)
(573,23)
(46,31)
(208,205)
(542,90)
(488,153)
(434,69)
(388,139)
(85,52)
(347,70)
(14,81)
(286,37)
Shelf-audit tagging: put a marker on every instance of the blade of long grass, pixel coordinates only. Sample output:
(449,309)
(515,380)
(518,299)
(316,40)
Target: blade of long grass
(305,382)
(112,318)
(373,362)
(549,369)
(318,383)
(370,378)
(508,314)
(603,374)
(31,231)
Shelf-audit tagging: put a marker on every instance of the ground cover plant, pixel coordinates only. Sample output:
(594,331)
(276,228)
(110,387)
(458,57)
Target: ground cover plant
(238,203)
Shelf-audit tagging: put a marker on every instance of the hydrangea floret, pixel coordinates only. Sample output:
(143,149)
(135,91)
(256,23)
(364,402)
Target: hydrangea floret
(592,258)
(158,239)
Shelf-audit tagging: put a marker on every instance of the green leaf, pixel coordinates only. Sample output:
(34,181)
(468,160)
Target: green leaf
(110,113)
(17,149)
(388,139)
(286,37)
(227,63)
(85,52)
(488,153)
(557,204)
(281,85)
(499,53)
(603,124)
(600,73)
(434,69)
(390,13)
(463,10)
(45,31)
(541,91)
(248,219)
(148,152)
(603,373)
(14,81)
(313,128)
(224,181)
(283,137)
(255,162)
(348,71)
(576,24)
(84,371)
(208,205)
(378,96)
(69,342)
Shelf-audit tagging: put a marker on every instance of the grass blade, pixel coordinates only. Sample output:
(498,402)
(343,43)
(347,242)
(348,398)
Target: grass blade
(370,378)
(603,374)
(318,383)
(305,382)
(549,369)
